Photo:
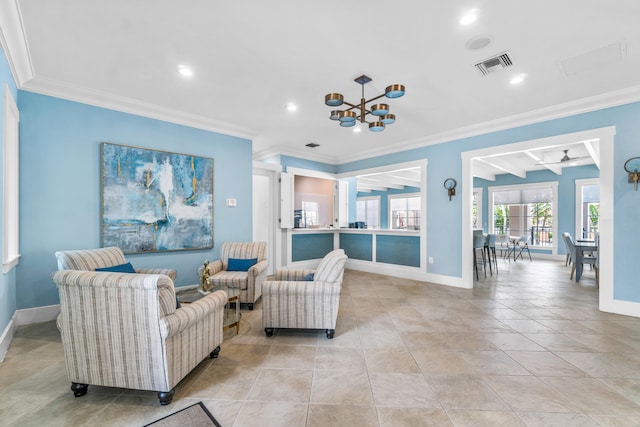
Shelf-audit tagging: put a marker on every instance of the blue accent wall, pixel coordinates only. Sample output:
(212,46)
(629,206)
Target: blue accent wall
(7,281)
(400,250)
(60,186)
(310,246)
(357,246)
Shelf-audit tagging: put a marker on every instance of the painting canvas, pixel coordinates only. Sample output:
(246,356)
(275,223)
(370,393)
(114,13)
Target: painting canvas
(156,201)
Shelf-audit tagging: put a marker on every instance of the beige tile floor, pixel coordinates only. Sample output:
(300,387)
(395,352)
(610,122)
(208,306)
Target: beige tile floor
(526,348)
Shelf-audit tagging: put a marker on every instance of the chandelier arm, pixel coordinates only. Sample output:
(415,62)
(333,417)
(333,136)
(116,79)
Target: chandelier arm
(351,105)
(373,99)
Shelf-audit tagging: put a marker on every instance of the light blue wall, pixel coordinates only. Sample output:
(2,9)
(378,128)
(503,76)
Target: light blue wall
(7,281)
(60,186)
(444,217)
(566,209)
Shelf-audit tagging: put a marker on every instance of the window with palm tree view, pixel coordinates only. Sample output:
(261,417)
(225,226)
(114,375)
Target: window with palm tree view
(529,210)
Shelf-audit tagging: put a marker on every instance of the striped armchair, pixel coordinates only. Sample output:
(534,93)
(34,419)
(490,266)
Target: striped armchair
(250,282)
(291,302)
(124,330)
(90,259)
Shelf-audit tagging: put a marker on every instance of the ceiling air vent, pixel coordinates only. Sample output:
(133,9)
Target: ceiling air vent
(495,63)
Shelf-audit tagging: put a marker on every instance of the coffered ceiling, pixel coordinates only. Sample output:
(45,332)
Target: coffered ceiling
(249,59)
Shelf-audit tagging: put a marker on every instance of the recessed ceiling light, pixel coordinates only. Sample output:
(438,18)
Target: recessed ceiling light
(291,107)
(516,80)
(357,129)
(185,71)
(469,18)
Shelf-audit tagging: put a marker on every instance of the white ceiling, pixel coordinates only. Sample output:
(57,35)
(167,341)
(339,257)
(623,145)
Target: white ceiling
(250,58)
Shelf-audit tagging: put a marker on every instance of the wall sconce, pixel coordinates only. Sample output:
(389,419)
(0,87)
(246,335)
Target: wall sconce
(450,185)
(632,166)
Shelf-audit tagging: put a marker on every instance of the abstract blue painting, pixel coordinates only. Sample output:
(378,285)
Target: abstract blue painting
(155,201)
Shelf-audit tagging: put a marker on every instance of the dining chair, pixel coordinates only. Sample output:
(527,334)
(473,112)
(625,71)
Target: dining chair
(520,246)
(502,245)
(565,237)
(592,260)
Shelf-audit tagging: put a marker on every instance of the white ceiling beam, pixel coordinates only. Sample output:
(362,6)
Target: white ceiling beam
(552,167)
(401,181)
(369,187)
(593,153)
(484,174)
(517,172)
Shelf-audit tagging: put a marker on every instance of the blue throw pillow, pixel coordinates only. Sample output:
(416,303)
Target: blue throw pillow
(308,277)
(122,268)
(241,264)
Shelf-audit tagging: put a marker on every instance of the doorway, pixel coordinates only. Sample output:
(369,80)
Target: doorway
(605,136)
(264,211)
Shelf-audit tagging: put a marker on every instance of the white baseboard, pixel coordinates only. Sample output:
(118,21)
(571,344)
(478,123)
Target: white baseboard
(7,336)
(25,317)
(37,314)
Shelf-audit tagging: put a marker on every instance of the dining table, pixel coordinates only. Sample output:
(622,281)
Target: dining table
(583,247)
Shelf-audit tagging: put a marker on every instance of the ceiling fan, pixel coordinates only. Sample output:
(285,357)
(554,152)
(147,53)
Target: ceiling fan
(564,159)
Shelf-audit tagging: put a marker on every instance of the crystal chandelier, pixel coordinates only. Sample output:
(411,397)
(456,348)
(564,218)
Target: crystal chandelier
(358,112)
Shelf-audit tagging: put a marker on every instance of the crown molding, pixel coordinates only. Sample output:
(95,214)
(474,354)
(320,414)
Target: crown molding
(281,150)
(585,105)
(133,106)
(14,43)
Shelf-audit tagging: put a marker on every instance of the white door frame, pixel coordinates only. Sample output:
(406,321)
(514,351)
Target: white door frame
(271,171)
(606,137)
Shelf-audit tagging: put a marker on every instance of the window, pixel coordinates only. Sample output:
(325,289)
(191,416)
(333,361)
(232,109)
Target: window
(587,208)
(11,248)
(476,208)
(525,210)
(309,214)
(368,210)
(404,212)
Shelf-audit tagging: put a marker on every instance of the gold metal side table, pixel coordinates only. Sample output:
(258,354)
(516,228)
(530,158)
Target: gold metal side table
(189,294)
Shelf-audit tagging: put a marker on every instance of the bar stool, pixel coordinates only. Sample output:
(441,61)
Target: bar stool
(490,247)
(478,245)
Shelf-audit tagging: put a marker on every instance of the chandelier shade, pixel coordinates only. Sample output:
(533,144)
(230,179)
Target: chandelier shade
(333,100)
(394,91)
(387,119)
(376,126)
(347,116)
(359,112)
(379,109)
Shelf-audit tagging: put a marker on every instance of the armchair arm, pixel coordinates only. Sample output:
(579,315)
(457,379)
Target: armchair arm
(286,287)
(188,314)
(172,273)
(258,268)
(292,275)
(214,267)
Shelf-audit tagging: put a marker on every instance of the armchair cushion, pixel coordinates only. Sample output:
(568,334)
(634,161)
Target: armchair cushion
(241,264)
(232,279)
(120,268)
